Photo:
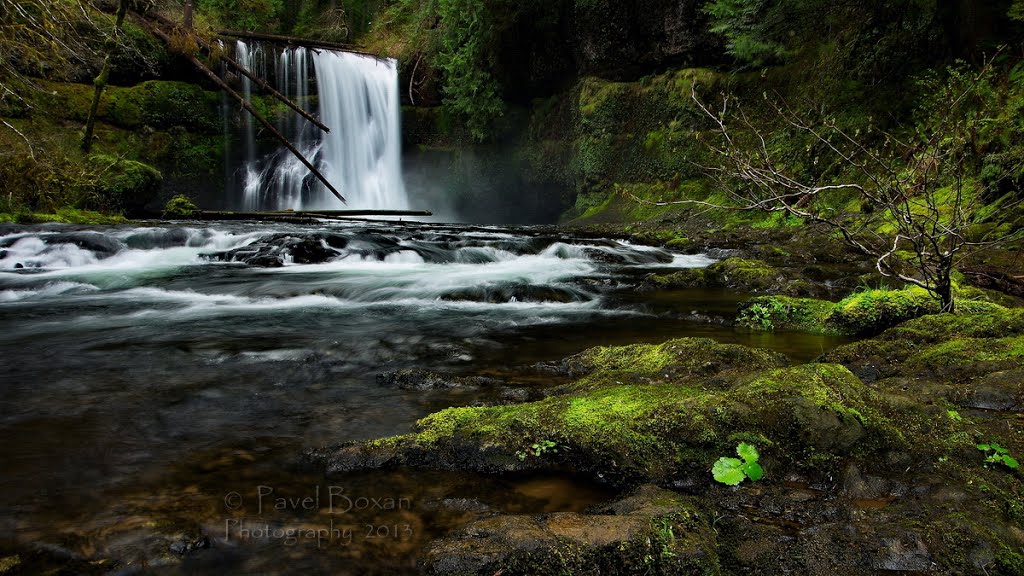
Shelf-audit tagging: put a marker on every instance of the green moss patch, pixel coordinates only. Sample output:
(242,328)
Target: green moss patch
(864,313)
(749,275)
(64,216)
(180,206)
(124,185)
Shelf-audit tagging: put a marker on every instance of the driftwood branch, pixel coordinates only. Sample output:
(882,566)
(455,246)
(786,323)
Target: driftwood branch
(248,108)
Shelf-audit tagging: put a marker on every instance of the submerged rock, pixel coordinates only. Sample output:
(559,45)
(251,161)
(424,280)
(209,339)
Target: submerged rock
(422,380)
(652,529)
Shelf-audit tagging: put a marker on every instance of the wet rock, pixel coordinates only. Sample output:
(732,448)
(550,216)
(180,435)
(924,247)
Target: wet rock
(509,292)
(723,253)
(515,395)
(273,251)
(604,257)
(158,238)
(263,261)
(868,372)
(311,251)
(186,545)
(464,505)
(860,486)
(421,380)
(99,244)
(1002,391)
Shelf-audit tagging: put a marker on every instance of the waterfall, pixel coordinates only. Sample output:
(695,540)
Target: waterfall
(358,100)
(363,151)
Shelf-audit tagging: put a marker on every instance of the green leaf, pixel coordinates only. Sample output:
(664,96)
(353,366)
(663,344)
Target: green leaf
(984,447)
(727,471)
(999,449)
(753,471)
(748,452)
(1010,462)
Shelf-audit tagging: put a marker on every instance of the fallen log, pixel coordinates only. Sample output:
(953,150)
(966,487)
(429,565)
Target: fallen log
(247,107)
(293,41)
(315,214)
(262,84)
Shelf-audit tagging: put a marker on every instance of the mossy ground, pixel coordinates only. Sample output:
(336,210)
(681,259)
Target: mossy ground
(64,216)
(866,312)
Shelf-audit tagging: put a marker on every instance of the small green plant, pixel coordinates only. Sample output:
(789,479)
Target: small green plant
(732,471)
(996,454)
(954,416)
(667,537)
(758,316)
(538,449)
(180,207)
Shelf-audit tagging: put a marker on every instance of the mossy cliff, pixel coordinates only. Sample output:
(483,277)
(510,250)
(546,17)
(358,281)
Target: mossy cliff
(867,449)
(152,139)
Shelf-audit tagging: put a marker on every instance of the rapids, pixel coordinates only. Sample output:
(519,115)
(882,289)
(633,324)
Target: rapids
(149,373)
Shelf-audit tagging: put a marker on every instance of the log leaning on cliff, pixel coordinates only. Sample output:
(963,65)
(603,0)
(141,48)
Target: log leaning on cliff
(248,74)
(246,106)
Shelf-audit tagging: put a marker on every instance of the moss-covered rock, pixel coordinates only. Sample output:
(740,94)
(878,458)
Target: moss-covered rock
(864,313)
(180,207)
(871,311)
(738,273)
(125,185)
(649,413)
(683,359)
(948,346)
(862,474)
(64,216)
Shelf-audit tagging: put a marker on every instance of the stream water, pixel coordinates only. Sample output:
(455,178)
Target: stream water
(158,381)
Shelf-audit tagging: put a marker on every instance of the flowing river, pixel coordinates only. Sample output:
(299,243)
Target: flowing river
(160,384)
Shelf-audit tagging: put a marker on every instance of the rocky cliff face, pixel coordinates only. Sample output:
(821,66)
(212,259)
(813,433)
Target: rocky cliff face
(625,40)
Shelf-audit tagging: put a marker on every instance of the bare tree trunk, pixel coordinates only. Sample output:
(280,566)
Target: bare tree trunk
(187,20)
(944,288)
(101,81)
